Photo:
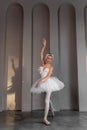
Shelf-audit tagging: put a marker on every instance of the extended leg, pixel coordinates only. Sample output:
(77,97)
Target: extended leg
(52,108)
(47,101)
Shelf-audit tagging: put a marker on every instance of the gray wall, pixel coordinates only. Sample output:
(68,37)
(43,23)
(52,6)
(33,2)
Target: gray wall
(64,28)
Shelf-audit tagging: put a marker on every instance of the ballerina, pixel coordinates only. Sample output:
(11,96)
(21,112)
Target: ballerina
(47,83)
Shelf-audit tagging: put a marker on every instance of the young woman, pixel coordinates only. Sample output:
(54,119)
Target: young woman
(46,83)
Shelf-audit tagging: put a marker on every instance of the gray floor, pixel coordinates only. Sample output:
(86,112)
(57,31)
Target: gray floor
(63,120)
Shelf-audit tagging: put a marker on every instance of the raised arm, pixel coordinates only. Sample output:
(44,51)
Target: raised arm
(42,51)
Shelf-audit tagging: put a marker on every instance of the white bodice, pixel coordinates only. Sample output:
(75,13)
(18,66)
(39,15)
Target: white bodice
(43,72)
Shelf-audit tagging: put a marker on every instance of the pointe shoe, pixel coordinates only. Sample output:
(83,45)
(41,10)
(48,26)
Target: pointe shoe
(46,122)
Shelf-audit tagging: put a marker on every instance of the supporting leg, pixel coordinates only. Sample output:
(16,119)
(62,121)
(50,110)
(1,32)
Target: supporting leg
(47,101)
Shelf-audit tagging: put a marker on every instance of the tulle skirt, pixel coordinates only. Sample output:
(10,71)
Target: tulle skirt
(52,84)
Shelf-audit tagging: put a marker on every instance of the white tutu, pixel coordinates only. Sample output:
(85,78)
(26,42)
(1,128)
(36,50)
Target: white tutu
(52,84)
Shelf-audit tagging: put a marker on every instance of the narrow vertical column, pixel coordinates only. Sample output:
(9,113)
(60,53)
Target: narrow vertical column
(54,49)
(81,56)
(27,60)
(2,60)
(85,18)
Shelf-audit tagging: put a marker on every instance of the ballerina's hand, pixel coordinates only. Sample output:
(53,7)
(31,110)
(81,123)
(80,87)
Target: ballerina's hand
(37,84)
(44,42)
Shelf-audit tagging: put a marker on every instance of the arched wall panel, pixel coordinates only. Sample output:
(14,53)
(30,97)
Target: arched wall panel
(68,57)
(41,30)
(14,36)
